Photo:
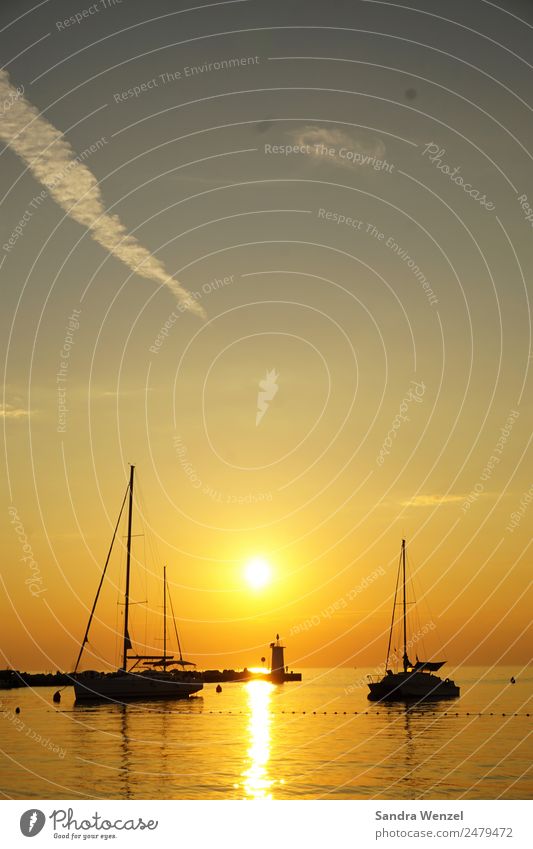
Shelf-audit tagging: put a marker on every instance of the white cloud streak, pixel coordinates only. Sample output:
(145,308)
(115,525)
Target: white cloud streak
(9,411)
(52,161)
(432,500)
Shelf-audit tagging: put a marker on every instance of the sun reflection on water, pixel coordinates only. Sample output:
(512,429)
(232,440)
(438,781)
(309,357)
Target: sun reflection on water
(257,784)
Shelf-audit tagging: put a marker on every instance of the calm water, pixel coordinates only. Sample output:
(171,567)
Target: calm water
(246,743)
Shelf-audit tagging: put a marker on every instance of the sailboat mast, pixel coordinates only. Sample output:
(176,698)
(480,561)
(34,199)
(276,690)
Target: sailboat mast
(127,643)
(164,617)
(404,612)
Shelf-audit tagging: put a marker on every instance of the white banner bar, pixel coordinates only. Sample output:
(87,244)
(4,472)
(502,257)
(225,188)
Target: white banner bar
(236,824)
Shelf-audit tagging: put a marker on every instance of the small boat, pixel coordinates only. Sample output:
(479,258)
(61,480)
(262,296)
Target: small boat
(416,683)
(128,683)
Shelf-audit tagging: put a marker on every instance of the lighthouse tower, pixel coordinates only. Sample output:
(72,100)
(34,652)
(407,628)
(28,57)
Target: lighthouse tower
(277,663)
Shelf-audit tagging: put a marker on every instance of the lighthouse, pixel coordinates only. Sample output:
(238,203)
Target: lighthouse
(277,662)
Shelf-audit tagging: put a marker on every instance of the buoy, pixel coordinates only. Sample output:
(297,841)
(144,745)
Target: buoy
(56,697)
(219,688)
(17,710)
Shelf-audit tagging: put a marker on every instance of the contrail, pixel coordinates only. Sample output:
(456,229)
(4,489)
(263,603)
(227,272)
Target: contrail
(74,187)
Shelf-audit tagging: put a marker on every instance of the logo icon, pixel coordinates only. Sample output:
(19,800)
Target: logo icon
(268,388)
(32,822)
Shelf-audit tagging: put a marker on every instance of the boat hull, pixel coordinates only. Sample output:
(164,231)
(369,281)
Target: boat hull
(412,686)
(133,687)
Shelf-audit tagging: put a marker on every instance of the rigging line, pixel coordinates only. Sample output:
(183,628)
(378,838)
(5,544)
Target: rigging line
(410,609)
(122,604)
(146,570)
(175,626)
(436,639)
(416,625)
(119,613)
(404,618)
(393,613)
(151,551)
(86,635)
(133,622)
(145,590)
(148,526)
(416,590)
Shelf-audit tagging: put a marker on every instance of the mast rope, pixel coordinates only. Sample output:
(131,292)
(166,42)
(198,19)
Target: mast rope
(175,626)
(393,613)
(86,635)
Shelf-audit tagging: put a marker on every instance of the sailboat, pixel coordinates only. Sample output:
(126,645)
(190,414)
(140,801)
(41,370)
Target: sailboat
(128,683)
(167,660)
(417,682)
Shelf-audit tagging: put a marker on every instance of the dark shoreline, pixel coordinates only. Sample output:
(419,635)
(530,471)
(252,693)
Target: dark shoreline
(11,679)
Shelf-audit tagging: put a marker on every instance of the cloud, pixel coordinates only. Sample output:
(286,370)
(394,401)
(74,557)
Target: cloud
(432,500)
(348,149)
(9,411)
(74,187)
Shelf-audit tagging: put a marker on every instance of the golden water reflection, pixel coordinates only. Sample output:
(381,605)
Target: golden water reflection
(257,784)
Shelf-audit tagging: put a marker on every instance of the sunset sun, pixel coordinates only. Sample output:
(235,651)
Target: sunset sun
(257,572)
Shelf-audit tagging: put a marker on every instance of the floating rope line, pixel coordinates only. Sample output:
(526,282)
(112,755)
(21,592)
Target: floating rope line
(452,715)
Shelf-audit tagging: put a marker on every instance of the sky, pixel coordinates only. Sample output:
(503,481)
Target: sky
(277,256)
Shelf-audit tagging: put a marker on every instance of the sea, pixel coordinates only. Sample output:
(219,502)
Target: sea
(318,739)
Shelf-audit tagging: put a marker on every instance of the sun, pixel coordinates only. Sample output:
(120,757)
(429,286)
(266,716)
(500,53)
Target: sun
(257,572)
